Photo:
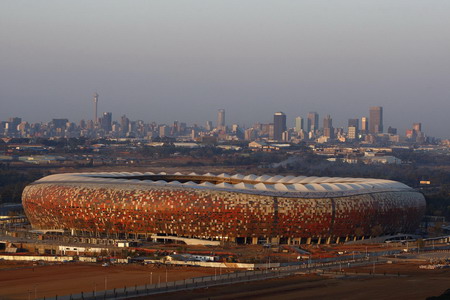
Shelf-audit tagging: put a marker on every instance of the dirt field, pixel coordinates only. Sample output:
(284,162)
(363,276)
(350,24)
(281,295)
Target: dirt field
(19,281)
(418,284)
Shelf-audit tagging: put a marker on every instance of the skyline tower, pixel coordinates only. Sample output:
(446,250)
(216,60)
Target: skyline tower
(95,108)
(364,125)
(312,123)
(106,121)
(299,124)
(221,119)
(279,125)
(376,120)
(328,129)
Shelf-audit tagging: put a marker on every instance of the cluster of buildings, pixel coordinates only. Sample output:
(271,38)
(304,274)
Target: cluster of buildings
(365,129)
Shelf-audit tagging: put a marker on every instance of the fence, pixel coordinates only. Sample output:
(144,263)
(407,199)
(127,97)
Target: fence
(208,281)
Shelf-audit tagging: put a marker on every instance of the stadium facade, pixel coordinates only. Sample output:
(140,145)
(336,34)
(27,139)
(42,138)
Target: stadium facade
(236,208)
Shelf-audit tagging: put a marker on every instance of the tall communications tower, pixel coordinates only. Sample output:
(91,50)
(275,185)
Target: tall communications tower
(95,107)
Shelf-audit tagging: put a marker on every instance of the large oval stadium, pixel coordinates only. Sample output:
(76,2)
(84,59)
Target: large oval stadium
(235,208)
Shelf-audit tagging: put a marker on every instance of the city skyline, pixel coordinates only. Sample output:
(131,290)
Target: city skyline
(158,61)
(314,121)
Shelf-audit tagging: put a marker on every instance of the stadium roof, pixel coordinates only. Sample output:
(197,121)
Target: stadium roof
(288,186)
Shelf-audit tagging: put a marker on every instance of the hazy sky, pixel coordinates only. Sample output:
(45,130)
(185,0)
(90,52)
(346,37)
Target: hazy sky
(182,60)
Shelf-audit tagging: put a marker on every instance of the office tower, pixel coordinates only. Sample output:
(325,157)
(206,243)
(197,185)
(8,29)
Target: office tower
(376,120)
(250,134)
(328,130)
(164,131)
(286,136)
(352,133)
(299,124)
(175,128)
(279,125)
(270,130)
(234,128)
(60,123)
(182,128)
(353,123)
(364,125)
(209,126)
(392,130)
(312,122)
(124,124)
(95,108)
(221,119)
(353,128)
(106,123)
(417,127)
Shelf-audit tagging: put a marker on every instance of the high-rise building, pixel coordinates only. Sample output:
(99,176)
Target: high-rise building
(392,130)
(164,131)
(352,133)
(221,119)
(364,125)
(376,120)
(106,123)
(59,123)
(124,124)
(312,122)
(353,123)
(250,134)
(279,125)
(353,128)
(328,130)
(95,108)
(417,127)
(299,124)
(209,126)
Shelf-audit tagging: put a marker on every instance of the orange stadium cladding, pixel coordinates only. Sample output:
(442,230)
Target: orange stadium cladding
(238,208)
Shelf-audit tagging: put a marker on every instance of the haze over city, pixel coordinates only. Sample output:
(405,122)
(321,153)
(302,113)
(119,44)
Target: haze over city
(163,61)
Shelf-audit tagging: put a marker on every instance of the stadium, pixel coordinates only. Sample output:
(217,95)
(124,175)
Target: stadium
(236,208)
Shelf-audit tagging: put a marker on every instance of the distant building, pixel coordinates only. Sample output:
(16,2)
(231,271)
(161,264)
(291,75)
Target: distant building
(95,108)
(279,125)
(221,119)
(250,134)
(328,130)
(299,124)
(376,120)
(60,123)
(164,131)
(106,121)
(124,124)
(352,133)
(364,125)
(417,127)
(312,122)
(353,123)
(392,130)
(209,126)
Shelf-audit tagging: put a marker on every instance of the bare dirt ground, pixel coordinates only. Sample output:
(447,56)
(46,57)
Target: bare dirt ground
(19,281)
(418,284)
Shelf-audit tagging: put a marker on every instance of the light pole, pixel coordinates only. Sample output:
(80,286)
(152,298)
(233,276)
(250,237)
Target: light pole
(151,278)
(106,283)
